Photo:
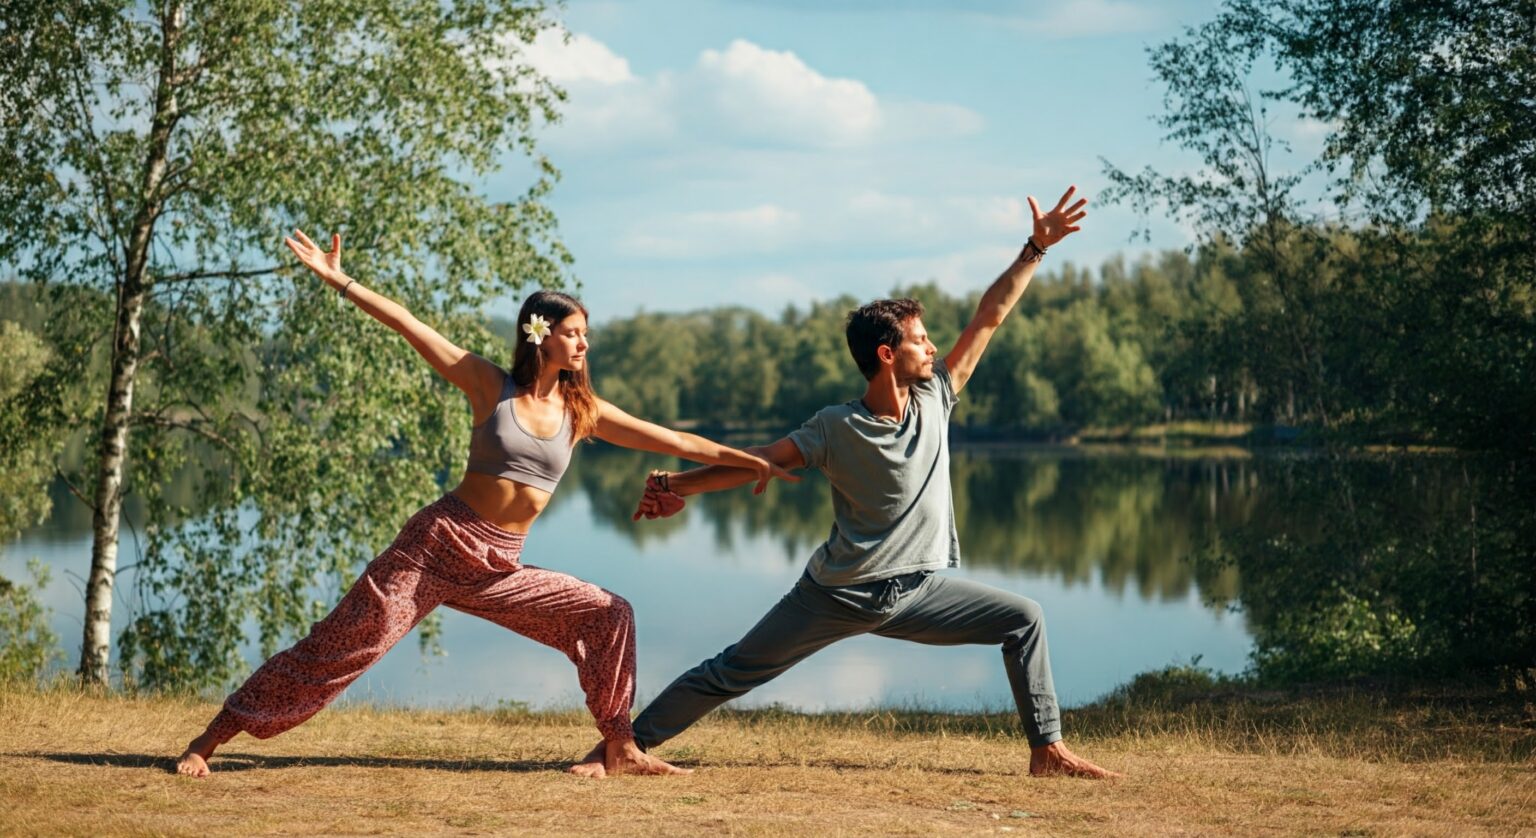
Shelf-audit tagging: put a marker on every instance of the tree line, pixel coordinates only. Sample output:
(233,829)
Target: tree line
(1182,336)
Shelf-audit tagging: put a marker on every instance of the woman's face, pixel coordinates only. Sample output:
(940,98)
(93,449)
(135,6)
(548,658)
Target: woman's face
(566,346)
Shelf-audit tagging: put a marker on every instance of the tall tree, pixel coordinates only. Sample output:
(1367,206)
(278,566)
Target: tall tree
(156,152)
(1417,302)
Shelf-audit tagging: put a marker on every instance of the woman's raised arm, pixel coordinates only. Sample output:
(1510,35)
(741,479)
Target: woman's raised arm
(480,379)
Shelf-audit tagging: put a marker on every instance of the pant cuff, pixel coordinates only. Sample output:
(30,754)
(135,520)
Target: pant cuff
(1040,740)
(616,729)
(225,726)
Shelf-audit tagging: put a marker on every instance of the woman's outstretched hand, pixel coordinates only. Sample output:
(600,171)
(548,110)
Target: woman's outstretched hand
(325,264)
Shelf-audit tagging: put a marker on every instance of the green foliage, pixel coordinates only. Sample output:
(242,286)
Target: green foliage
(1413,315)
(1415,312)
(1342,637)
(155,155)
(1173,684)
(25,463)
(1419,568)
(27,646)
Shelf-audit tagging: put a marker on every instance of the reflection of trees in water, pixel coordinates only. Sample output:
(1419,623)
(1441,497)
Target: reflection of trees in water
(1121,520)
(612,480)
(798,514)
(1365,564)
(1416,566)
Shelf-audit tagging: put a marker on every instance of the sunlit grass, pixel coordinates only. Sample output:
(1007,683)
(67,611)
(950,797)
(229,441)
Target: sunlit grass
(1203,757)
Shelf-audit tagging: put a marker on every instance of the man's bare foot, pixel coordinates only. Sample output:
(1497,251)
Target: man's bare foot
(591,766)
(1056,759)
(193,762)
(625,757)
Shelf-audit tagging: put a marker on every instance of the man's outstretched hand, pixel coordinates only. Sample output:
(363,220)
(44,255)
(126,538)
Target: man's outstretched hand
(1051,227)
(658,502)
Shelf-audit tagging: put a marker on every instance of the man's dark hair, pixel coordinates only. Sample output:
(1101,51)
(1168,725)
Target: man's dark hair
(878,324)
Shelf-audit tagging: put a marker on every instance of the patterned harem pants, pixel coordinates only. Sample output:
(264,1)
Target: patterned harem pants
(446,555)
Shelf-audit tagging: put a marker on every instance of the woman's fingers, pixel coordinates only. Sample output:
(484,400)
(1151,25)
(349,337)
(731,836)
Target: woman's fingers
(785,474)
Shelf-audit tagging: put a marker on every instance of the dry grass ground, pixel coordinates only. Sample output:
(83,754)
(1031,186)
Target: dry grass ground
(1341,764)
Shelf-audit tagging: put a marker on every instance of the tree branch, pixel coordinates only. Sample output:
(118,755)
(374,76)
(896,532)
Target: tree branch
(156,420)
(196,275)
(59,473)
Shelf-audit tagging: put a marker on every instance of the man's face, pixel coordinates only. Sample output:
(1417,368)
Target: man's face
(915,353)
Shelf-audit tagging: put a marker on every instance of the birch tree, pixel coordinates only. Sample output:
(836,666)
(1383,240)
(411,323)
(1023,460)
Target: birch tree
(151,157)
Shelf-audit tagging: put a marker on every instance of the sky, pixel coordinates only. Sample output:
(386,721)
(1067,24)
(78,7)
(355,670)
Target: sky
(772,152)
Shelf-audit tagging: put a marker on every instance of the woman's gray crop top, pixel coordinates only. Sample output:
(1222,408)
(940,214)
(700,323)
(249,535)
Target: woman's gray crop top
(501,447)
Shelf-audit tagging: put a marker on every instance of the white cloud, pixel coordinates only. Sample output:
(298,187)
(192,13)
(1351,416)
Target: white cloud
(744,95)
(1315,130)
(566,59)
(770,95)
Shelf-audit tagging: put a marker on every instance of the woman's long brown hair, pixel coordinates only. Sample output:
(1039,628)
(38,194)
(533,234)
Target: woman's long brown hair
(527,361)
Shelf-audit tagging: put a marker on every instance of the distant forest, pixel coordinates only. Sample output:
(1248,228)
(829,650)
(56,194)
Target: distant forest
(1200,336)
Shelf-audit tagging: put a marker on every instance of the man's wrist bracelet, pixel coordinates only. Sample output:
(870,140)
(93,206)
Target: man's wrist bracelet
(344,288)
(1032,252)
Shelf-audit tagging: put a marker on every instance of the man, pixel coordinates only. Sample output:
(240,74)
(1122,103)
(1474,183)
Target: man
(886,456)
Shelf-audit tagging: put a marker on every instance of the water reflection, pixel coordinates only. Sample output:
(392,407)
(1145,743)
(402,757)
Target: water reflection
(1117,518)
(1116,543)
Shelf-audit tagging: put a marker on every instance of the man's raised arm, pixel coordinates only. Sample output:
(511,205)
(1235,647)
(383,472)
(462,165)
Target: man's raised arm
(1050,228)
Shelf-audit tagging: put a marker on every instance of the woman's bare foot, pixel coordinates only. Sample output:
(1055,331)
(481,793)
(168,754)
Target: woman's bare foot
(591,766)
(193,762)
(625,757)
(1056,759)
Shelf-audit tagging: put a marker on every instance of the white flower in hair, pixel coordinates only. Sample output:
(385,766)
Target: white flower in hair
(537,329)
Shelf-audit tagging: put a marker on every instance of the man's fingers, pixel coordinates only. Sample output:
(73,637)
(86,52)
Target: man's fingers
(1073,219)
(299,234)
(1081,202)
(336,244)
(1033,207)
(1065,197)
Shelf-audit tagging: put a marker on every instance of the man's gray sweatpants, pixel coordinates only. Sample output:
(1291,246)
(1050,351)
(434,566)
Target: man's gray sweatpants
(921,607)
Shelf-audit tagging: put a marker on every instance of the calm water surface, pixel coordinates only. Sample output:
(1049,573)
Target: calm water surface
(1103,539)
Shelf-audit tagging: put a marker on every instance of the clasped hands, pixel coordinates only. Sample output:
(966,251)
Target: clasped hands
(658,501)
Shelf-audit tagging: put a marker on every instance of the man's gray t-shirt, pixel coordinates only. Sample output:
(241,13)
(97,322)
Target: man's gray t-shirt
(891,503)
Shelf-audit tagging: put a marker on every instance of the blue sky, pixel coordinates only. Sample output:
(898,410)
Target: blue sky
(768,153)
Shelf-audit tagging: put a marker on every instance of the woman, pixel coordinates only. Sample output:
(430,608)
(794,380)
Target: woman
(463,549)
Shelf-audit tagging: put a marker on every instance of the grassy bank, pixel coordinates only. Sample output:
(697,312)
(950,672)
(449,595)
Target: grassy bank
(1340,763)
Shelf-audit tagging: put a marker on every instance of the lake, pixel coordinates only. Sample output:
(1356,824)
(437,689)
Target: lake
(1104,538)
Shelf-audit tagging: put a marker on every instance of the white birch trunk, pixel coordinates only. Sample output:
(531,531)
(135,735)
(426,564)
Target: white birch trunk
(112,449)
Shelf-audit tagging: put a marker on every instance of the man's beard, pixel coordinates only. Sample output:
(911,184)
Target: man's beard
(923,373)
